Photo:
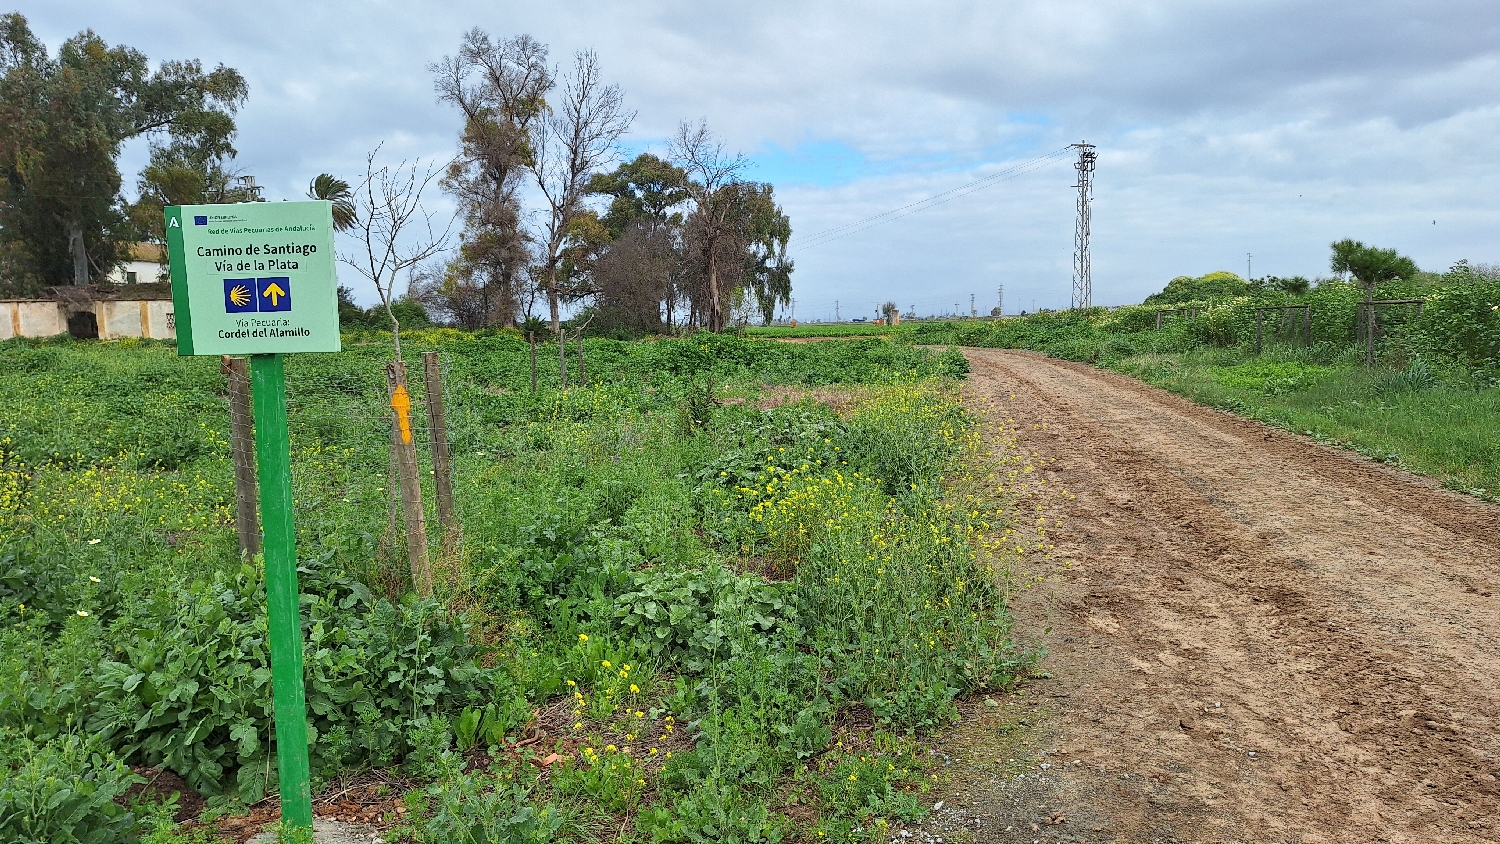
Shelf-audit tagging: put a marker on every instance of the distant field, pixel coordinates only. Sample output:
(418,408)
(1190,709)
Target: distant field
(841,329)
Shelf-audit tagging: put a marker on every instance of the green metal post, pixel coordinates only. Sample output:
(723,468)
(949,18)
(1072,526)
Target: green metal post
(273,459)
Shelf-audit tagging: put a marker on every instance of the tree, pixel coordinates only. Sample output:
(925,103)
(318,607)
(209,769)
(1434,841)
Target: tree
(645,189)
(768,271)
(1370,266)
(713,178)
(501,88)
(1217,285)
(573,141)
(639,274)
(634,277)
(326,187)
(179,174)
(62,123)
(393,229)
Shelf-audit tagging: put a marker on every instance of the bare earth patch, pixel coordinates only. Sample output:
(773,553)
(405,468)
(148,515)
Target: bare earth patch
(1259,638)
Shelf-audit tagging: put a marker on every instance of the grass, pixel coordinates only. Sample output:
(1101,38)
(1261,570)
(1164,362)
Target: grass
(698,571)
(1443,426)
(842,329)
(1431,404)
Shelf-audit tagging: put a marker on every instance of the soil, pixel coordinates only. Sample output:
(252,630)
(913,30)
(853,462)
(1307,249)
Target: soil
(1250,636)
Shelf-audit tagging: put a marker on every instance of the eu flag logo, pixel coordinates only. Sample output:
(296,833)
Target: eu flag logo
(275,293)
(239,295)
(201,220)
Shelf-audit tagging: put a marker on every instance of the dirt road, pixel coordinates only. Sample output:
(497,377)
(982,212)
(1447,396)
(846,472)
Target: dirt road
(1259,639)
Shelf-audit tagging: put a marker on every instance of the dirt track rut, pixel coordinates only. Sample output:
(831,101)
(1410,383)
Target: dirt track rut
(1259,638)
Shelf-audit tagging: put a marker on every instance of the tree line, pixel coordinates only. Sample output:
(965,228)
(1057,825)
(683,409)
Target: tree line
(549,217)
(652,244)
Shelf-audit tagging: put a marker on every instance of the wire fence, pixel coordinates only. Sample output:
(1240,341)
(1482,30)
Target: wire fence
(349,441)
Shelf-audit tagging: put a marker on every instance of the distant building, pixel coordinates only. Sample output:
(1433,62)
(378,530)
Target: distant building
(145,264)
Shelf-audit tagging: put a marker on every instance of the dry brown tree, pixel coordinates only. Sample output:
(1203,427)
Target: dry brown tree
(713,176)
(575,139)
(501,88)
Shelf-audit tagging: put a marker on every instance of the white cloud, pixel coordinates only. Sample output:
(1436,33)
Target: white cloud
(1224,127)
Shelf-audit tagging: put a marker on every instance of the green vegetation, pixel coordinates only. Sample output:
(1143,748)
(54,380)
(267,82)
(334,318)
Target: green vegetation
(691,572)
(1431,403)
(1414,417)
(842,329)
(63,121)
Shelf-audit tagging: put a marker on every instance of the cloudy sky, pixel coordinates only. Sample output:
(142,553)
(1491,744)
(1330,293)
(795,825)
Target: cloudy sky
(1223,127)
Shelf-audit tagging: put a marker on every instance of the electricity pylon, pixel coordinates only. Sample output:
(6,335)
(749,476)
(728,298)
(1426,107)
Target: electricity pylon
(1083,283)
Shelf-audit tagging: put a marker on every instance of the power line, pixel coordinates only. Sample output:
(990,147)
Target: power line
(838,232)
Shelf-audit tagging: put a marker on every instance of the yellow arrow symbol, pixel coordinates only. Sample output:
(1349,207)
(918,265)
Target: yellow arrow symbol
(401,403)
(274,292)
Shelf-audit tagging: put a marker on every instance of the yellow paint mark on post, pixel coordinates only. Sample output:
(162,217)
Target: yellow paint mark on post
(401,403)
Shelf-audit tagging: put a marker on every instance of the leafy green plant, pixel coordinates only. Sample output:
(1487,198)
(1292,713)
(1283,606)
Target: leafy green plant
(612,779)
(715,813)
(194,696)
(62,792)
(474,809)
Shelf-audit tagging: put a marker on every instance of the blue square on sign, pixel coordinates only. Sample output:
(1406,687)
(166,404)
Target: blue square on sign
(275,293)
(239,296)
(200,221)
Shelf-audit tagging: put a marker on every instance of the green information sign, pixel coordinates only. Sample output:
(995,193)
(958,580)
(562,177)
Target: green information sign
(253,278)
(257,279)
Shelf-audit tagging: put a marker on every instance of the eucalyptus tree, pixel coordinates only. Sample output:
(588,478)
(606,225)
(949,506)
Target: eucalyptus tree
(501,88)
(639,276)
(63,120)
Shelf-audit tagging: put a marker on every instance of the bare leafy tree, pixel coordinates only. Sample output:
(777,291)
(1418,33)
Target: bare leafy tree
(713,176)
(501,88)
(392,228)
(573,142)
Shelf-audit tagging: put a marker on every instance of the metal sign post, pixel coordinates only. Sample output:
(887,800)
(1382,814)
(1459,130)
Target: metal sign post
(259,279)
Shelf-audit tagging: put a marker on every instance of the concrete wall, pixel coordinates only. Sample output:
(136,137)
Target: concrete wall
(31,318)
(116,318)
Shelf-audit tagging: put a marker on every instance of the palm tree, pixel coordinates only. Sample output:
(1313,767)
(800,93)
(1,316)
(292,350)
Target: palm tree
(335,190)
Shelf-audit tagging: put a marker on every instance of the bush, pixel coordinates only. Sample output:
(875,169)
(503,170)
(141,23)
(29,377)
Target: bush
(62,792)
(194,696)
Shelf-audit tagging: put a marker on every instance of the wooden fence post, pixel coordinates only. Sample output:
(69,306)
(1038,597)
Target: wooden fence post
(1257,330)
(1158,320)
(442,461)
(242,446)
(388,542)
(562,357)
(405,447)
(531,341)
(1307,325)
(583,376)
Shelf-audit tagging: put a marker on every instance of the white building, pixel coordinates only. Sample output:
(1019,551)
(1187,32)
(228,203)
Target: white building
(144,264)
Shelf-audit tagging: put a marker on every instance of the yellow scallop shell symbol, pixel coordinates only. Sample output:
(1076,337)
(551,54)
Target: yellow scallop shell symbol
(239,295)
